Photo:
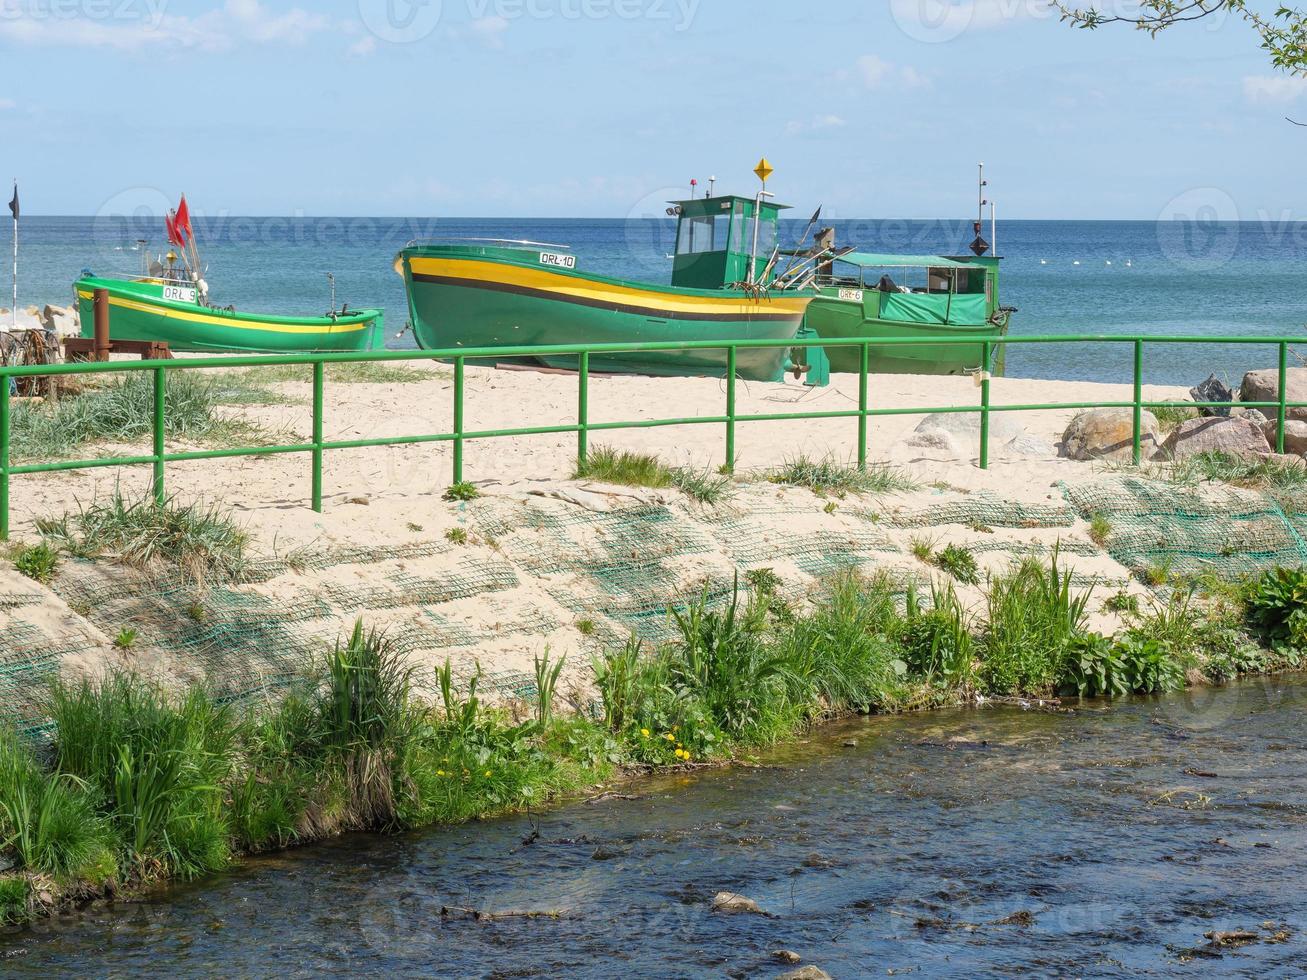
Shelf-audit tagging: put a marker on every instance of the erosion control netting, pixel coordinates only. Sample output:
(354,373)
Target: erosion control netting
(538,571)
(1192,530)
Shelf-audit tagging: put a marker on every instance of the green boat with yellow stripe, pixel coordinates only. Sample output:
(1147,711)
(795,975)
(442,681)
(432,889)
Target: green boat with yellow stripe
(518,294)
(176,311)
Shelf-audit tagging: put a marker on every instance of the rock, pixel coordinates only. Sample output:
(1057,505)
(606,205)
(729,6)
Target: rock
(1108,433)
(62,322)
(786,956)
(965,426)
(934,439)
(850,743)
(1253,415)
(731,902)
(1264,386)
(1212,390)
(1235,437)
(805,973)
(1295,435)
(1026,445)
(359,501)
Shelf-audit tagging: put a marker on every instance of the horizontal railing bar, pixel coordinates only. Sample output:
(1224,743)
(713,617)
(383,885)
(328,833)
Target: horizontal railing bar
(495,353)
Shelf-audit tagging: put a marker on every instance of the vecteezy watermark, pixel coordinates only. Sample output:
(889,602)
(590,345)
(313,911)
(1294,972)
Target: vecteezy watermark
(400,21)
(407,21)
(1199,229)
(147,12)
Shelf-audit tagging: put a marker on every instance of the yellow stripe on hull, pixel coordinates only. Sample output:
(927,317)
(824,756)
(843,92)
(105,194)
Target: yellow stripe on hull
(544,280)
(209,319)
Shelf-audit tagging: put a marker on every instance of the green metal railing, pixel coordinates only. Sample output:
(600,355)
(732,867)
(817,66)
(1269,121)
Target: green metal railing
(159,457)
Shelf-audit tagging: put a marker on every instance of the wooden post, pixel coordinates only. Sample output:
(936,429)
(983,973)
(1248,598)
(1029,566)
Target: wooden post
(101,303)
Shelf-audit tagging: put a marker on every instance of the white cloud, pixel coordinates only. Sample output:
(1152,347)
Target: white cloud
(237,21)
(489,30)
(1274,88)
(875,72)
(829,121)
(363,47)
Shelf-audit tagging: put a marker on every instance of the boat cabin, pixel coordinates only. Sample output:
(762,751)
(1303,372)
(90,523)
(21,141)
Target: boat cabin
(715,240)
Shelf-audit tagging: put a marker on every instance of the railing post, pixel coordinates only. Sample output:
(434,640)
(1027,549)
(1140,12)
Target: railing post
(1284,397)
(984,407)
(864,361)
(319,374)
(458,420)
(5,382)
(1137,430)
(730,409)
(583,410)
(160,399)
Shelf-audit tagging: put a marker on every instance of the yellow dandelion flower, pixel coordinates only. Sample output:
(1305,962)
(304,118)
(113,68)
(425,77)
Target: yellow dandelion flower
(440,772)
(487,774)
(644,732)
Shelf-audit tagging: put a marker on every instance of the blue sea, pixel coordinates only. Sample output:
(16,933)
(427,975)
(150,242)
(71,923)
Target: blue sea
(1065,277)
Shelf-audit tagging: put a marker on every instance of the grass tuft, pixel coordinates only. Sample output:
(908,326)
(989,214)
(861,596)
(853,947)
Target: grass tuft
(38,562)
(1100,529)
(643,470)
(826,476)
(960,563)
(463,491)
(123,411)
(201,540)
(343,372)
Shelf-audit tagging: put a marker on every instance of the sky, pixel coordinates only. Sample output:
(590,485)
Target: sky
(605,108)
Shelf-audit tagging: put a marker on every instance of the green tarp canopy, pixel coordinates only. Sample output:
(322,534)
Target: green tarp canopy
(966,308)
(866,259)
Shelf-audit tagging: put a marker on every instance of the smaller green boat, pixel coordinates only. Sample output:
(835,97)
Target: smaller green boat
(174,312)
(170,304)
(862,294)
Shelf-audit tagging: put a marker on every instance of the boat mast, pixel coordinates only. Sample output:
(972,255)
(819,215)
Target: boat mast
(763,170)
(979,246)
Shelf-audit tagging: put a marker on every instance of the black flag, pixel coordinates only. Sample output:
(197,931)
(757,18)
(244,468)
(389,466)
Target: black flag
(13,205)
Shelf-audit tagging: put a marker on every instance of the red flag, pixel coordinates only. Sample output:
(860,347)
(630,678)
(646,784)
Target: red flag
(171,228)
(182,223)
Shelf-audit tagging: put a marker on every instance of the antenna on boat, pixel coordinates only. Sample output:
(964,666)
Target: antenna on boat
(694,185)
(712,186)
(993,227)
(979,245)
(331,278)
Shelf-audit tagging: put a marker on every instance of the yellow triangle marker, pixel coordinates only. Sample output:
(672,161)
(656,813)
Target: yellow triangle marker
(763,170)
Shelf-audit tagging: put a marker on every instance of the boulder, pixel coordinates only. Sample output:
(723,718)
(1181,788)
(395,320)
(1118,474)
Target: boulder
(936,439)
(1027,446)
(1295,435)
(965,426)
(805,973)
(731,902)
(1108,433)
(786,956)
(1264,386)
(1253,415)
(1235,437)
(1285,459)
(1212,390)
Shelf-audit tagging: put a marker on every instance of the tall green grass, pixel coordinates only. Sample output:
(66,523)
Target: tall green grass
(1034,613)
(158,761)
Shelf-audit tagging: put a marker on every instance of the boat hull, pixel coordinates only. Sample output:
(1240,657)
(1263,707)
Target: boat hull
(834,319)
(482,300)
(138,311)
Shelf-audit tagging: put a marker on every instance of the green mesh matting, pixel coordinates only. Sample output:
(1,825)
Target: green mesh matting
(1194,530)
(983,509)
(29,662)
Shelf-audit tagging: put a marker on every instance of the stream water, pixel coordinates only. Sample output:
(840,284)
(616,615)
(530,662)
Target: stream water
(1104,842)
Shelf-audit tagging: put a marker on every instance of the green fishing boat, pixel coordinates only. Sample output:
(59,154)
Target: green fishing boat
(169,303)
(515,294)
(866,295)
(176,312)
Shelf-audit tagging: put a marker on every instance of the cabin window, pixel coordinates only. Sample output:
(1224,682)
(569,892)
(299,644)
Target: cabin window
(706,233)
